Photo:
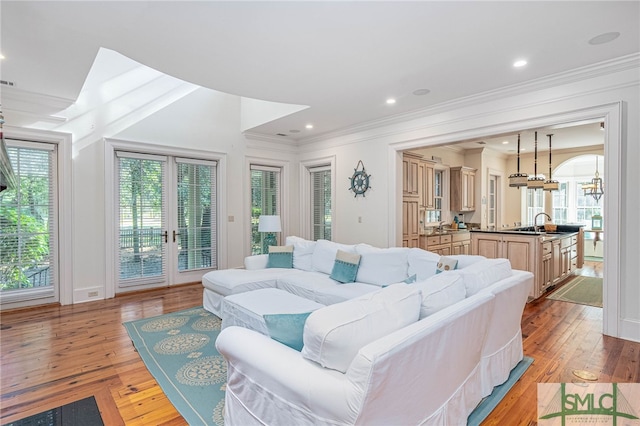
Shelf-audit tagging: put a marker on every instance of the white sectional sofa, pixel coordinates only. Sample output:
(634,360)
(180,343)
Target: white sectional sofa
(312,265)
(382,351)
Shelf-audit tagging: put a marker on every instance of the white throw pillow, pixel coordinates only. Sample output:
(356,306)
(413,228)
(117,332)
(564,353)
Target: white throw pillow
(382,266)
(324,255)
(333,335)
(465,260)
(440,291)
(484,273)
(422,263)
(302,252)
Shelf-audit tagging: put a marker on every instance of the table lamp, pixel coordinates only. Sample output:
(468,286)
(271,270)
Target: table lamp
(269,224)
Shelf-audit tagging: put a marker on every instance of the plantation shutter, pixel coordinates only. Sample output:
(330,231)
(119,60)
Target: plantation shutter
(321,202)
(28,222)
(197,219)
(265,200)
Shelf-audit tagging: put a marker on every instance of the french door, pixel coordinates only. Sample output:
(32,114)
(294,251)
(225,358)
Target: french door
(166,220)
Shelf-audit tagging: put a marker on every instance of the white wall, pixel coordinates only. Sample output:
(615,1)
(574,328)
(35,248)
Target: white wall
(537,105)
(205,121)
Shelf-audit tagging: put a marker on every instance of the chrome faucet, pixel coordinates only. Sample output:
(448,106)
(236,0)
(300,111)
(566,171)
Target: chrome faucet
(535,220)
(440,226)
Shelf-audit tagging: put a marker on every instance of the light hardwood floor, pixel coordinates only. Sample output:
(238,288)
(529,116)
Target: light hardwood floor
(55,355)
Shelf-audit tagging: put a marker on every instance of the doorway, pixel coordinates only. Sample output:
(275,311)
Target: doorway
(165,219)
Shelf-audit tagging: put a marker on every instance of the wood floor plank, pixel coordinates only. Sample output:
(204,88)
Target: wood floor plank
(58,354)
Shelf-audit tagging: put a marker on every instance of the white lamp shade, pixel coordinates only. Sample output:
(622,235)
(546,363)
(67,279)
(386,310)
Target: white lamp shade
(269,223)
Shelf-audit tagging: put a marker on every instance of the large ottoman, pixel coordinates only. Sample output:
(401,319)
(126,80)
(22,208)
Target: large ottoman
(225,282)
(246,309)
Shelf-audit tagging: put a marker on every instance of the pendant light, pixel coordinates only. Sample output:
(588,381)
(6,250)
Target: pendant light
(595,187)
(535,181)
(518,179)
(550,184)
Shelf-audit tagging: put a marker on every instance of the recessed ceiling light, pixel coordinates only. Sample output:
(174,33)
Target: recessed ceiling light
(391,101)
(604,38)
(1,56)
(505,142)
(421,92)
(520,63)
(309,126)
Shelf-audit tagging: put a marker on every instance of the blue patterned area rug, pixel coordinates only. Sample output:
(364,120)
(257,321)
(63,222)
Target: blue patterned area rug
(487,405)
(178,349)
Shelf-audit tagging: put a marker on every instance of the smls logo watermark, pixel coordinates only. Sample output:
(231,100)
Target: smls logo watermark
(561,404)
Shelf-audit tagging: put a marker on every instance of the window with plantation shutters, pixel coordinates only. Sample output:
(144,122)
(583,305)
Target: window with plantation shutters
(265,200)
(321,202)
(28,220)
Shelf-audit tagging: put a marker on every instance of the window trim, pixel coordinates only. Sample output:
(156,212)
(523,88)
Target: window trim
(65,290)
(110,148)
(269,164)
(306,166)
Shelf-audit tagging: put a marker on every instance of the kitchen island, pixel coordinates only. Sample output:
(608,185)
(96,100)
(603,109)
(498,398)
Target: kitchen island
(551,256)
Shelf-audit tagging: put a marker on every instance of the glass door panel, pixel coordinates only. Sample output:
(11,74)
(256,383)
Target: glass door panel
(195,228)
(28,231)
(141,220)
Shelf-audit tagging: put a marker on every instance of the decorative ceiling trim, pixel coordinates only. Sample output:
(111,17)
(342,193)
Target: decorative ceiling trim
(620,64)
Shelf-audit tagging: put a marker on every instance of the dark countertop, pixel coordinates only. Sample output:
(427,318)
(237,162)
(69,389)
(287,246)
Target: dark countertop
(561,231)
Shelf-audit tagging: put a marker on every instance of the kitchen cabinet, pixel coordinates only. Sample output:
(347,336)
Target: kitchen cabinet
(463,192)
(410,179)
(551,259)
(410,227)
(461,243)
(546,271)
(426,184)
(447,244)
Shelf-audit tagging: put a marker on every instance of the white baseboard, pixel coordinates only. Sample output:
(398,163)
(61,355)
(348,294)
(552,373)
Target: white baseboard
(630,330)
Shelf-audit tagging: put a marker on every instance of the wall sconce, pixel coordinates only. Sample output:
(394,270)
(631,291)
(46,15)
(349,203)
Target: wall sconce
(269,224)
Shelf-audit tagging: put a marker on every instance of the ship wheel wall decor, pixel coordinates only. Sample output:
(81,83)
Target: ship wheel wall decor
(359,180)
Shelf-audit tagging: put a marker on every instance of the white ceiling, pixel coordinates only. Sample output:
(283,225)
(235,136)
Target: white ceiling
(342,59)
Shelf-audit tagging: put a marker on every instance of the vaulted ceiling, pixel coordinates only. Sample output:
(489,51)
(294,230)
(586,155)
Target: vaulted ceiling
(341,59)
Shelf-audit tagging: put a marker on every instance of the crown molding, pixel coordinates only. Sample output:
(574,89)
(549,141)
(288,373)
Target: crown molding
(14,95)
(620,64)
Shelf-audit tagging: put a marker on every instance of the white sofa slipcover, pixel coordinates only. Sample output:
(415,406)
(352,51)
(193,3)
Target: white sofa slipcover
(425,373)
(467,340)
(312,263)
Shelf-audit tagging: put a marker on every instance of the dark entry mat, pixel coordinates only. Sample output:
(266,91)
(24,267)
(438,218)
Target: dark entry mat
(83,412)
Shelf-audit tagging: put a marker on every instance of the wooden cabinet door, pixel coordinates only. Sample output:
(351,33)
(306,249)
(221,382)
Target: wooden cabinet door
(462,193)
(410,225)
(410,176)
(469,183)
(429,186)
(557,260)
(487,245)
(521,253)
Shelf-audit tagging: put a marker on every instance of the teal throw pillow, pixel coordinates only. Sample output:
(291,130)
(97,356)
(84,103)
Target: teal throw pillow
(446,264)
(287,328)
(345,267)
(412,279)
(280,257)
